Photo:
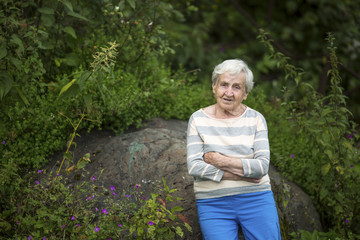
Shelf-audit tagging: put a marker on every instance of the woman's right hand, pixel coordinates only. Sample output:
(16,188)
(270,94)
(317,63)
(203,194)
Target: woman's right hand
(230,176)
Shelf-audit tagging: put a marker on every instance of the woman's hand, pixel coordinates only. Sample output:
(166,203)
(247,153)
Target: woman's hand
(230,176)
(220,161)
(213,158)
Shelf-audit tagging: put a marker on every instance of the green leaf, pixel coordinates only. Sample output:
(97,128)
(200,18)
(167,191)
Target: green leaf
(76,15)
(323,193)
(3,51)
(67,86)
(72,59)
(68,5)
(176,209)
(132,3)
(46,10)
(5,85)
(325,169)
(22,96)
(69,30)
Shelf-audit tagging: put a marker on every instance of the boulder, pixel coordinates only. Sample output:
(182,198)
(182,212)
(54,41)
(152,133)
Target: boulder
(144,156)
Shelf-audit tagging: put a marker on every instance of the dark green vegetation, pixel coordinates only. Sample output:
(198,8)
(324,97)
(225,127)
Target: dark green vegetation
(114,64)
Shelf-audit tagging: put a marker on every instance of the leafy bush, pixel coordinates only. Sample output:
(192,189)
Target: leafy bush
(315,146)
(46,207)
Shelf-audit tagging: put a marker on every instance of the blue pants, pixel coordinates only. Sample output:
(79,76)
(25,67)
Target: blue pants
(256,213)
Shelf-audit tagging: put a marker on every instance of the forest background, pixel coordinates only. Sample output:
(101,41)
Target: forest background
(68,66)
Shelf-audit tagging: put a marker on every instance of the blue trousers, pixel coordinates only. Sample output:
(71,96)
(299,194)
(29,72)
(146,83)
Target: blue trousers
(255,213)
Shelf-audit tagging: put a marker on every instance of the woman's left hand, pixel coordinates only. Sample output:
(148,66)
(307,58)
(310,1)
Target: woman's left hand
(213,158)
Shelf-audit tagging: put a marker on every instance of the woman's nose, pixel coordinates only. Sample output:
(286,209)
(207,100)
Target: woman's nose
(229,92)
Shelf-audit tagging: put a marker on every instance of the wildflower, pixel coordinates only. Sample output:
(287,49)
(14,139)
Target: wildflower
(39,171)
(119,225)
(3,142)
(37,182)
(96,209)
(44,238)
(347,221)
(350,136)
(114,194)
(144,198)
(93,178)
(159,210)
(351,166)
(96,229)
(137,186)
(104,211)
(63,226)
(17,222)
(73,218)
(127,195)
(112,188)
(77,225)
(29,237)
(151,223)
(292,155)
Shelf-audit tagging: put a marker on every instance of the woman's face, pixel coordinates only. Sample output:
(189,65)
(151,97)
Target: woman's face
(230,91)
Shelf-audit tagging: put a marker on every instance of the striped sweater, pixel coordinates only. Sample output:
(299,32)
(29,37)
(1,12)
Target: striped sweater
(244,137)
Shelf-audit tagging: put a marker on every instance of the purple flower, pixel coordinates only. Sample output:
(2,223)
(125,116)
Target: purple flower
(151,223)
(127,195)
(96,229)
(347,221)
(350,136)
(63,226)
(144,198)
(292,155)
(137,186)
(39,171)
(3,142)
(119,225)
(44,238)
(17,222)
(77,225)
(37,182)
(114,194)
(104,211)
(159,210)
(96,209)
(93,178)
(112,188)
(73,218)
(351,166)
(29,237)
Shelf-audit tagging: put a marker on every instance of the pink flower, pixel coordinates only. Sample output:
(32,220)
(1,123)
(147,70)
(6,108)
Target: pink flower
(104,211)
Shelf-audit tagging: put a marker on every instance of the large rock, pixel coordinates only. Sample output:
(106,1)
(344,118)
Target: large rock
(157,150)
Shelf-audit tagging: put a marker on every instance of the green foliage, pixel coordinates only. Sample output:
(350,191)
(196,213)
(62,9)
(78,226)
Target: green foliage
(46,206)
(315,146)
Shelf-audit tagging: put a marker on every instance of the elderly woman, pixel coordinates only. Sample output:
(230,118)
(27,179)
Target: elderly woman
(228,155)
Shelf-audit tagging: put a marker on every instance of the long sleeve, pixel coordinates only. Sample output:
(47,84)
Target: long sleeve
(195,151)
(259,165)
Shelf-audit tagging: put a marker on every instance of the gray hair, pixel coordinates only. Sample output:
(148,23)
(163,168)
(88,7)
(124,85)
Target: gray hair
(234,67)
